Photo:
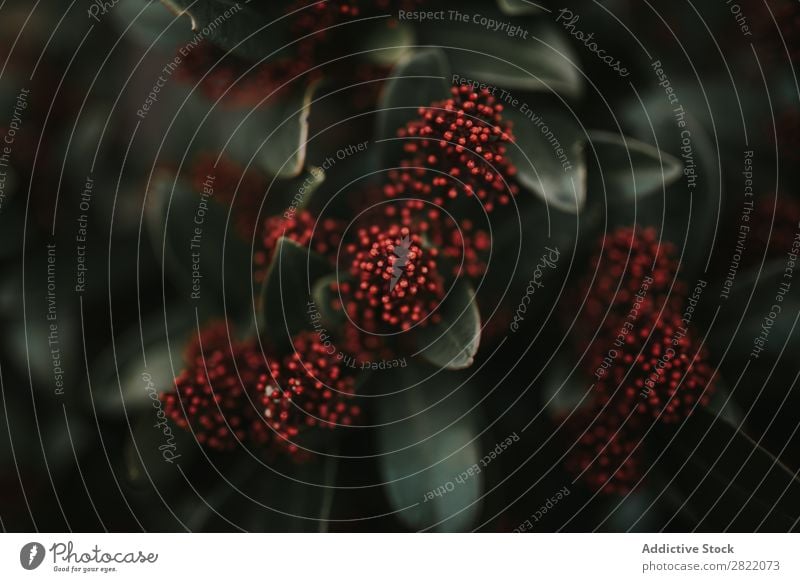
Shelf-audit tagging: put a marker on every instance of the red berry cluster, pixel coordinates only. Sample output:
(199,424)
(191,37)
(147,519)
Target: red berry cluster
(660,371)
(464,139)
(626,257)
(215,394)
(308,390)
(231,393)
(607,452)
(645,360)
(462,243)
(396,280)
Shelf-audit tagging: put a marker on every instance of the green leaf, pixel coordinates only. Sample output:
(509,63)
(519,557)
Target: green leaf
(124,378)
(727,479)
(417,81)
(146,448)
(427,440)
(220,257)
(749,305)
(252,30)
(275,132)
(453,343)
(324,295)
(284,309)
(150,25)
(548,152)
(388,45)
(688,215)
(295,194)
(519,7)
(627,167)
(545,61)
(11,221)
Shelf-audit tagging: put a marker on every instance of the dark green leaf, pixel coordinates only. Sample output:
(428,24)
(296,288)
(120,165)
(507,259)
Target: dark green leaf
(519,7)
(220,257)
(275,132)
(250,29)
(549,155)
(284,309)
(417,81)
(727,479)
(543,62)
(124,378)
(324,296)
(453,342)
(427,440)
(294,194)
(628,167)
(688,215)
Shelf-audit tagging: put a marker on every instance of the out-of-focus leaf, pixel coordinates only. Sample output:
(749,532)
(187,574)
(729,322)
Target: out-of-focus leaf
(549,154)
(217,254)
(250,29)
(688,216)
(629,167)
(519,7)
(417,81)
(426,448)
(386,46)
(728,480)
(124,379)
(276,131)
(545,61)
